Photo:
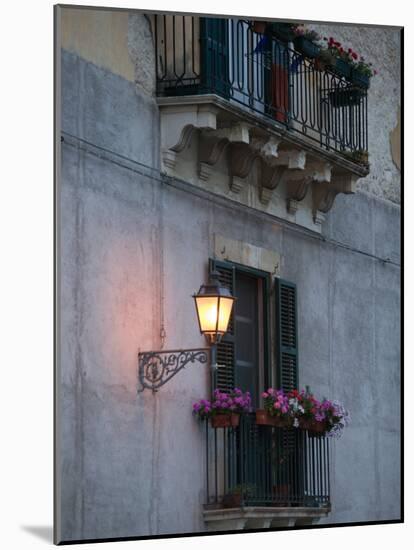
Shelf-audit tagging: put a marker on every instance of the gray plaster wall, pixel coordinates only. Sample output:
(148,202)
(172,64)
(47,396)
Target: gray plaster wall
(133,250)
(382,47)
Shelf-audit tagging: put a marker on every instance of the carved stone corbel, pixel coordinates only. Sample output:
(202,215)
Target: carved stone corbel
(213,143)
(296,191)
(299,184)
(240,161)
(324,193)
(210,151)
(271,176)
(177,127)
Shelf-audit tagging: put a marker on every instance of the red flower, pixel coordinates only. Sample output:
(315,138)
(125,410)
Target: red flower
(354,55)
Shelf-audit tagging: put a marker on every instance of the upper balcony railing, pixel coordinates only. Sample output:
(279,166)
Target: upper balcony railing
(262,74)
(253,465)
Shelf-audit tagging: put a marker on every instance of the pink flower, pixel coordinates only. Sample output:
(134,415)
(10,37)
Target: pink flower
(265,394)
(277,405)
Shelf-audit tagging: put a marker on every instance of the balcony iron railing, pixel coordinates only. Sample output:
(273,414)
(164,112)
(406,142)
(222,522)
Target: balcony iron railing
(264,75)
(267,466)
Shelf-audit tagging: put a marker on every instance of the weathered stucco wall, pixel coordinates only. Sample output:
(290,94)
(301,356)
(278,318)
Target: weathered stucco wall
(381,47)
(133,250)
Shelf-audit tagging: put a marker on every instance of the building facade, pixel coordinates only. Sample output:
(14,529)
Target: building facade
(190,144)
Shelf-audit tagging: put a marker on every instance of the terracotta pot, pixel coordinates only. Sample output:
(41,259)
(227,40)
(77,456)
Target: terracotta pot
(312,426)
(259,26)
(231,420)
(232,501)
(263,418)
(319,427)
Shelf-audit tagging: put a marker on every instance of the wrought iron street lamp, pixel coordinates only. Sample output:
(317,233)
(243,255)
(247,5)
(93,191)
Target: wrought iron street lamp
(214,304)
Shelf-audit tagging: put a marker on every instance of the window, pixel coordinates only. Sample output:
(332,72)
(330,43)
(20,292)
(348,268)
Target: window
(244,354)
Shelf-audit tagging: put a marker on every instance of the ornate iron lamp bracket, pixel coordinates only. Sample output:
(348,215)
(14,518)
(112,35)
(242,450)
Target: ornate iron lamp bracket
(155,368)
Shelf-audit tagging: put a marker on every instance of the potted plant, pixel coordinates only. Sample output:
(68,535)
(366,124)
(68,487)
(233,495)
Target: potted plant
(282,31)
(320,417)
(336,416)
(344,58)
(305,41)
(362,72)
(360,155)
(223,409)
(258,26)
(303,404)
(324,59)
(276,411)
(237,494)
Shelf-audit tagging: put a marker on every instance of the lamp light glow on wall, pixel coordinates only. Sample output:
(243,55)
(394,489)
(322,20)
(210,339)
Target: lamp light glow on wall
(214,304)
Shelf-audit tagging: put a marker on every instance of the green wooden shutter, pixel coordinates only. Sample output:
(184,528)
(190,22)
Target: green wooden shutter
(286,335)
(225,380)
(214,56)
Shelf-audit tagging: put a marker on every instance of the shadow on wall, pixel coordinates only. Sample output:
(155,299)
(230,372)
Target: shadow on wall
(44,532)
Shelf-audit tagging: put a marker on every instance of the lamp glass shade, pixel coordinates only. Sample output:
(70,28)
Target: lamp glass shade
(207,308)
(214,313)
(225,307)
(214,304)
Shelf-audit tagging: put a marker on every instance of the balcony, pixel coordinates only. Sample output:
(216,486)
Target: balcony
(261,476)
(262,74)
(239,109)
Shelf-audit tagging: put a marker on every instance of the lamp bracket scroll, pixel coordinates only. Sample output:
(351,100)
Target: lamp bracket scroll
(155,368)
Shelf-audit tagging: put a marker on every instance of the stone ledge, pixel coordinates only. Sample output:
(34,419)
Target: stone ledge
(262,517)
(261,121)
(215,144)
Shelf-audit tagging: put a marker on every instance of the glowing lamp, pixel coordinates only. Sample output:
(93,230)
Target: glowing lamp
(214,304)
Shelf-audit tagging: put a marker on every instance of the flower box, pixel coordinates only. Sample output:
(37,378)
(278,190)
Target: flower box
(225,420)
(312,426)
(345,97)
(360,79)
(306,47)
(224,408)
(264,418)
(342,68)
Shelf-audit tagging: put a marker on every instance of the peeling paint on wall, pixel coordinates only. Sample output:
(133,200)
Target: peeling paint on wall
(395,142)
